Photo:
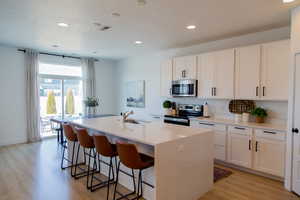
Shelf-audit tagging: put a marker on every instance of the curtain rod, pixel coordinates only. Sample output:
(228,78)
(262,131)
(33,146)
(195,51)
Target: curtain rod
(52,54)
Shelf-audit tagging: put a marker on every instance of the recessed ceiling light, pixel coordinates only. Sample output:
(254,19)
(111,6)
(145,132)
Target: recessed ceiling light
(61,24)
(138,42)
(287,1)
(190,27)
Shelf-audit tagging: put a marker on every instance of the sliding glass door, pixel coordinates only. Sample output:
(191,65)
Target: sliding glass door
(61,94)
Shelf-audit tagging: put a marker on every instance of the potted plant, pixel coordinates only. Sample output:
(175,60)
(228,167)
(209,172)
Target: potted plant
(260,114)
(167,106)
(91,103)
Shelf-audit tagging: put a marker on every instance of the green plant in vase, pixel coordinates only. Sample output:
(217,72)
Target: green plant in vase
(167,106)
(260,114)
(91,103)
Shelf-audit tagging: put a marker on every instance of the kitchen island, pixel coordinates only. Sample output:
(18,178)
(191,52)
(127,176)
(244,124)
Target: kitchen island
(183,155)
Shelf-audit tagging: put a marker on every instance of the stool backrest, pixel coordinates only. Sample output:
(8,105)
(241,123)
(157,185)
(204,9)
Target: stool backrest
(85,140)
(69,132)
(103,146)
(129,156)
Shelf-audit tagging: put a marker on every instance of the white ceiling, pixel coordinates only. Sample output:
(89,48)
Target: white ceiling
(160,24)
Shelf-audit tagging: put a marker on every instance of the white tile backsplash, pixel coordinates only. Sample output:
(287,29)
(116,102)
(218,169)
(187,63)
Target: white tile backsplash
(277,110)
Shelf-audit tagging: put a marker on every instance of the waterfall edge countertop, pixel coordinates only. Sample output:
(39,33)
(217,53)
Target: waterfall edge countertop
(151,133)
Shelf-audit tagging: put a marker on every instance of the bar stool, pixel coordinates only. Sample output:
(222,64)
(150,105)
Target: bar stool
(86,142)
(130,157)
(71,138)
(106,149)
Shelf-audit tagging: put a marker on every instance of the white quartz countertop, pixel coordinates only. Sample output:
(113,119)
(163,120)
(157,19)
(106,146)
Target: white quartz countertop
(151,133)
(277,127)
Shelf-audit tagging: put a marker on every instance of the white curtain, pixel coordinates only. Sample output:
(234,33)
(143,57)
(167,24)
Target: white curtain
(89,82)
(32,96)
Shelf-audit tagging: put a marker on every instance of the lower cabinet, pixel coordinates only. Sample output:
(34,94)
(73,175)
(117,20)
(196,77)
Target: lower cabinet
(269,154)
(239,146)
(258,149)
(220,135)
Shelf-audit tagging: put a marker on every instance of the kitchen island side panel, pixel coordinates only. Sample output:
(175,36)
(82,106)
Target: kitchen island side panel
(184,167)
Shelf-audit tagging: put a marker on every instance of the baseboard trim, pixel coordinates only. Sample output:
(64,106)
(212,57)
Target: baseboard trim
(251,171)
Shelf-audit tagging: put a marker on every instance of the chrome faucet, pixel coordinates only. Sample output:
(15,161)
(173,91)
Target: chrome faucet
(126,115)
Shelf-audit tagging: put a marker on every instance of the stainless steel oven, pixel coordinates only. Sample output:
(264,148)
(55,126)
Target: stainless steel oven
(184,88)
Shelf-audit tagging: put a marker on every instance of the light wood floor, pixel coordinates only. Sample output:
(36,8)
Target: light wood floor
(32,172)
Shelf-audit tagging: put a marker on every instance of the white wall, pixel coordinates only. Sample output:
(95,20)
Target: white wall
(147,68)
(12,91)
(12,97)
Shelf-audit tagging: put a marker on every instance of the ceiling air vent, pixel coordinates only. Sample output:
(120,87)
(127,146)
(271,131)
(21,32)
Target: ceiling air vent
(105,28)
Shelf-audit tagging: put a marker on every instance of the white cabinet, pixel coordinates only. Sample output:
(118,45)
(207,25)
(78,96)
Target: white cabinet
(247,73)
(275,70)
(216,74)
(269,152)
(240,146)
(205,76)
(257,149)
(185,67)
(220,135)
(262,71)
(166,78)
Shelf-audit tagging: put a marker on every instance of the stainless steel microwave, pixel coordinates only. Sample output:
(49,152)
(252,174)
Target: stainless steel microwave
(184,88)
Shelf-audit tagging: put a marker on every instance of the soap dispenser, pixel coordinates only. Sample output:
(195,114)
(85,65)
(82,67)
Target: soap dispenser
(205,110)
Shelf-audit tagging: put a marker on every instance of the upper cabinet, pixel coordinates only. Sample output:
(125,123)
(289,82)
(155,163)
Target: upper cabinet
(166,78)
(262,71)
(247,73)
(216,74)
(185,67)
(275,70)
(257,72)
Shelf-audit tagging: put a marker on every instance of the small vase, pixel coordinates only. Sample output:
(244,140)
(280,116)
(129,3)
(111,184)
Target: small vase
(260,119)
(168,111)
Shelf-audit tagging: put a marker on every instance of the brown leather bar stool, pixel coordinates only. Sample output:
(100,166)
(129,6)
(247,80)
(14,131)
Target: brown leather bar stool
(130,157)
(86,142)
(106,149)
(71,138)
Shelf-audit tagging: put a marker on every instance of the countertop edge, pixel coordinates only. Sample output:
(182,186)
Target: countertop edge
(275,127)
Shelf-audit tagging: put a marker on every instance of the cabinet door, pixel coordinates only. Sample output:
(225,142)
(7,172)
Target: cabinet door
(247,80)
(206,68)
(185,67)
(239,149)
(166,78)
(224,74)
(191,67)
(275,70)
(269,156)
(178,68)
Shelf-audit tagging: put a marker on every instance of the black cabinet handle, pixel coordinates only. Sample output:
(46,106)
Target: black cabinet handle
(295,130)
(271,132)
(239,128)
(249,144)
(207,124)
(256,146)
(215,93)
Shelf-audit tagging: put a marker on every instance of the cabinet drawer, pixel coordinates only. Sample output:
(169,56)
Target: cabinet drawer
(218,127)
(240,130)
(220,152)
(270,134)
